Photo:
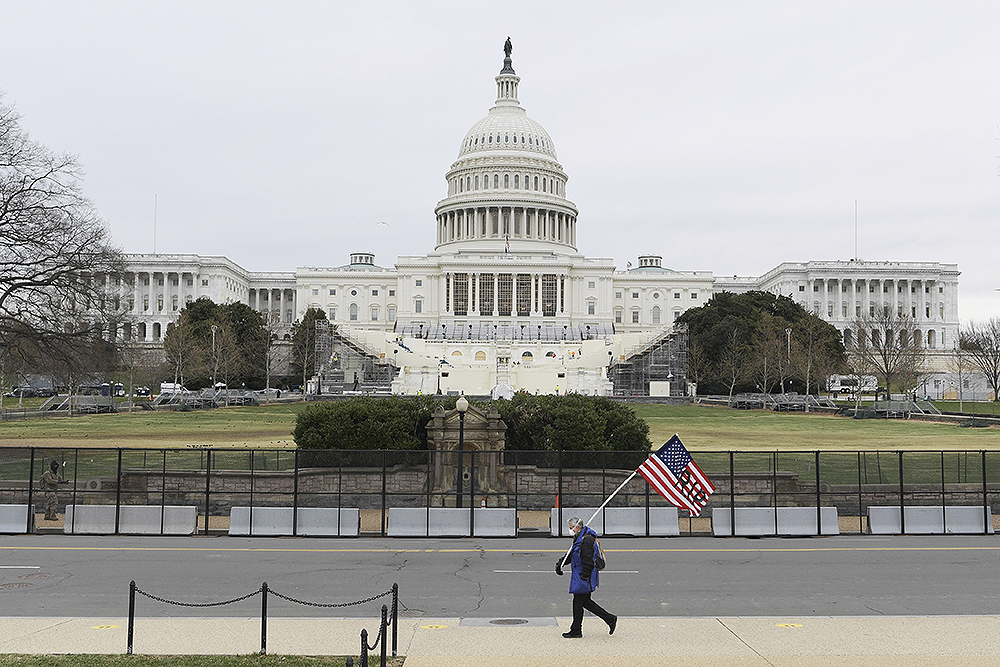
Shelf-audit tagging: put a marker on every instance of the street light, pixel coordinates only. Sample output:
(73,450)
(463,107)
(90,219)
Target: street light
(788,333)
(215,360)
(462,405)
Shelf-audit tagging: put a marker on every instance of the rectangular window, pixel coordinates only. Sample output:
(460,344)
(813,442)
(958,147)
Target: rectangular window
(418,283)
(461,291)
(374,292)
(418,306)
(802,288)
(815,288)
(391,313)
(618,295)
(204,282)
(331,313)
(333,292)
(591,307)
(591,284)
(505,294)
(374,314)
(829,310)
(315,292)
(635,317)
(618,317)
(523,294)
(677,295)
(843,310)
(486,294)
(549,292)
(190,282)
(694,296)
(392,292)
(635,295)
(175,282)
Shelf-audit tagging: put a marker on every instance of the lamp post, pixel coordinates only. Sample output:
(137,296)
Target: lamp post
(215,361)
(788,362)
(440,363)
(462,405)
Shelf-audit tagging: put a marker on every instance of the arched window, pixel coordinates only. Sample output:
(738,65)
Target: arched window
(506,180)
(848,338)
(456,353)
(141,331)
(468,182)
(536,183)
(477,181)
(516,182)
(354,312)
(480,355)
(496,180)
(656,314)
(526,179)
(931,338)
(156,331)
(526,357)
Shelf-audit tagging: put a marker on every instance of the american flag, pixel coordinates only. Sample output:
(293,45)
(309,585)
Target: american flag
(674,475)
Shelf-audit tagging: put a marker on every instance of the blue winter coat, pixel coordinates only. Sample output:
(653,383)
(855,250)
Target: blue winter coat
(584,578)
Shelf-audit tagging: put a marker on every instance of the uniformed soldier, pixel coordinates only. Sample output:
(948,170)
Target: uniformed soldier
(51,479)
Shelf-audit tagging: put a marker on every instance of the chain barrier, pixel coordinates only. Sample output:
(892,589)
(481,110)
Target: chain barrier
(322,604)
(263,592)
(201,604)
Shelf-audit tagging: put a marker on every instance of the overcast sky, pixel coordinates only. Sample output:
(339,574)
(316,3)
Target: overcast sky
(726,137)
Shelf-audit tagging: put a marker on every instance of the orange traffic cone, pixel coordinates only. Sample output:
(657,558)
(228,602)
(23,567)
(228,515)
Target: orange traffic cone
(557,501)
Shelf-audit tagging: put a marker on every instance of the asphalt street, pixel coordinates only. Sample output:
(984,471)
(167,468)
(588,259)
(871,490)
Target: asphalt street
(79,576)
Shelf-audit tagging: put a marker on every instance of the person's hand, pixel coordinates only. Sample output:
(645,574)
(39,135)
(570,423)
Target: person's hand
(559,567)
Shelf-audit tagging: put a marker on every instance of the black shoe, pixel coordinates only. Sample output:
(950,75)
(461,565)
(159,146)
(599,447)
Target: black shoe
(612,624)
(572,635)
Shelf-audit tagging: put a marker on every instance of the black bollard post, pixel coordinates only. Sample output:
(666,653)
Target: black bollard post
(383,632)
(363,661)
(350,661)
(395,614)
(263,619)
(131,614)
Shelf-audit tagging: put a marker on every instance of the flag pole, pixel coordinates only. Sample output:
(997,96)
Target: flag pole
(603,505)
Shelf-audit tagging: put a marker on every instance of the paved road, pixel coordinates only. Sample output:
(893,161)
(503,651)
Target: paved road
(78,576)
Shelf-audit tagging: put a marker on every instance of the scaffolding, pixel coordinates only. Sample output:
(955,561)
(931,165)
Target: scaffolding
(662,359)
(346,365)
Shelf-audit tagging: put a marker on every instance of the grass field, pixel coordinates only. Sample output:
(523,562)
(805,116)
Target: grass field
(702,428)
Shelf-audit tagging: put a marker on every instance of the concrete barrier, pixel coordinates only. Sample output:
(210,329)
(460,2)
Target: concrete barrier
(619,520)
(15,519)
(931,520)
(132,519)
(451,522)
(787,521)
(310,521)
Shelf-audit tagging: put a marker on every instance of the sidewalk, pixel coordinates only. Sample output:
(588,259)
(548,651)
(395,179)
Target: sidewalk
(926,641)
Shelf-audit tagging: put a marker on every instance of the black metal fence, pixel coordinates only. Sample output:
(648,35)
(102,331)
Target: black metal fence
(216,480)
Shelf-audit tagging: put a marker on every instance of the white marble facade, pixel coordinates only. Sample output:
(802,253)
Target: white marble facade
(505,255)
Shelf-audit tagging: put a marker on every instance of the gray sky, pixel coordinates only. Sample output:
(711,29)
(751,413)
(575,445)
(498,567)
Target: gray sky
(726,137)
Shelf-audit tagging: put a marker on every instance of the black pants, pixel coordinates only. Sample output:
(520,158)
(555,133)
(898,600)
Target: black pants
(582,601)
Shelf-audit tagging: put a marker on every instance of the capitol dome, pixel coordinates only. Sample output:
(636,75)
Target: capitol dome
(506,190)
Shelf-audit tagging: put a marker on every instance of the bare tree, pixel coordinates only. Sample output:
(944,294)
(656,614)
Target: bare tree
(885,344)
(982,343)
(59,272)
(699,366)
(732,360)
(962,366)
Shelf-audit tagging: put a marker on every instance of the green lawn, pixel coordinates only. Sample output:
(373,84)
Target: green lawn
(265,426)
(720,428)
(704,428)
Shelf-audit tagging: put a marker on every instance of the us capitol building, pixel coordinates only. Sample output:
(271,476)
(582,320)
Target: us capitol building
(505,302)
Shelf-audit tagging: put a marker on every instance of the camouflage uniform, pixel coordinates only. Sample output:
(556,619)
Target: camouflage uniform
(50,482)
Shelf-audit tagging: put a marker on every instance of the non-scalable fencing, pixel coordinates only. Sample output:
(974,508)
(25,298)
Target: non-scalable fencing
(399,493)
(388,619)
